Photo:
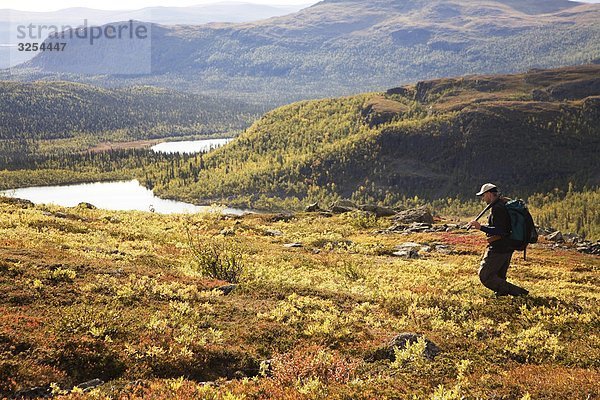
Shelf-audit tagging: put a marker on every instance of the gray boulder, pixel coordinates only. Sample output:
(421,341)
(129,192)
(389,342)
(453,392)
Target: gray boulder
(273,232)
(377,210)
(343,206)
(314,207)
(89,385)
(227,289)
(421,215)
(407,250)
(556,237)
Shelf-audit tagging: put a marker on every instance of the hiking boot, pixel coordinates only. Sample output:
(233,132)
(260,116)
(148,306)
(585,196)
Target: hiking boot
(522,292)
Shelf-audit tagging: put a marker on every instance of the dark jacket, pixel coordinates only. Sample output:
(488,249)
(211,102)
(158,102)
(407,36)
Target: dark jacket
(499,225)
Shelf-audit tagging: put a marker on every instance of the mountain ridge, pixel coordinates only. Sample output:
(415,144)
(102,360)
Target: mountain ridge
(340,48)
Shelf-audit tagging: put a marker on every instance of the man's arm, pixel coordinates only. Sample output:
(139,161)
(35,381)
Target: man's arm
(502,225)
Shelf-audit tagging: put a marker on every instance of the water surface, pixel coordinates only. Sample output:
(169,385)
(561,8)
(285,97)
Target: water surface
(190,146)
(121,195)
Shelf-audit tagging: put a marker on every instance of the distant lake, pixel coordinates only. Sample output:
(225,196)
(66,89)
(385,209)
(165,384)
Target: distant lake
(122,195)
(190,146)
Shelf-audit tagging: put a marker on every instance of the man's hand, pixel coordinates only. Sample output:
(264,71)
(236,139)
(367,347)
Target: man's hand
(474,224)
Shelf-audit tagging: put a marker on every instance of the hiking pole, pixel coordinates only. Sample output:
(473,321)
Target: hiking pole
(483,212)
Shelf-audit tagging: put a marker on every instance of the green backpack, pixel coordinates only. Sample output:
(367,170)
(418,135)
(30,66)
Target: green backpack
(523,230)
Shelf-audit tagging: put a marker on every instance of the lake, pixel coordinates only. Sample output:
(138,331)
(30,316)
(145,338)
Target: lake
(121,195)
(190,146)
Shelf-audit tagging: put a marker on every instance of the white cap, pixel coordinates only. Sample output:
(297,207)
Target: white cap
(486,188)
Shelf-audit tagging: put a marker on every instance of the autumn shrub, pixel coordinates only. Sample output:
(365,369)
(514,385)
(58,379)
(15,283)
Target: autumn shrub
(312,366)
(534,345)
(84,358)
(218,258)
(361,219)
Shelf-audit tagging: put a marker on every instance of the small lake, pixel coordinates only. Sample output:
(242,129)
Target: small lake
(190,146)
(122,196)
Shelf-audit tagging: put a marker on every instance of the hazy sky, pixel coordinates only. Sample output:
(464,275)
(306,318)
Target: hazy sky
(53,5)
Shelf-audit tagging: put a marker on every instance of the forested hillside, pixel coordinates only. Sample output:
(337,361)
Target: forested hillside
(528,133)
(30,112)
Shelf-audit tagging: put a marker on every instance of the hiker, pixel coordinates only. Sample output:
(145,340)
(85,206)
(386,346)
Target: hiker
(496,259)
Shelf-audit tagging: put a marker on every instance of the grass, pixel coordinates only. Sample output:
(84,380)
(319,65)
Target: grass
(120,296)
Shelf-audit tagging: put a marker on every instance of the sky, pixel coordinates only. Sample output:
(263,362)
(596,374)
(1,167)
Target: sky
(53,5)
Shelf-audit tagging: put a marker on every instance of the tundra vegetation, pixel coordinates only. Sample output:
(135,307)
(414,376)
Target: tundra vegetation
(136,300)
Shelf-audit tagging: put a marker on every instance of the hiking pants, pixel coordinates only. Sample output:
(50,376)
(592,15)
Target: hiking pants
(492,273)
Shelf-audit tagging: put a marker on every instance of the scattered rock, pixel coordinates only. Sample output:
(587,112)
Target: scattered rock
(569,241)
(230,216)
(227,232)
(556,237)
(421,215)
(401,341)
(227,289)
(409,253)
(344,203)
(408,245)
(407,250)
(394,228)
(62,215)
(343,206)
(23,203)
(443,248)
(290,245)
(89,385)
(87,206)
(571,238)
(340,210)
(285,217)
(34,393)
(377,210)
(419,227)
(589,248)
(314,207)
(273,232)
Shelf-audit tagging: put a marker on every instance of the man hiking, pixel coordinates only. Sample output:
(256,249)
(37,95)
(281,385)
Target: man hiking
(496,259)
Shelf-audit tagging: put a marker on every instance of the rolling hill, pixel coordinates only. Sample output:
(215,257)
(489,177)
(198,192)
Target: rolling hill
(528,132)
(67,110)
(337,47)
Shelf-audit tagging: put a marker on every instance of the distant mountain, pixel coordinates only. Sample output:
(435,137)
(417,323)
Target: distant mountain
(529,133)
(339,47)
(234,11)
